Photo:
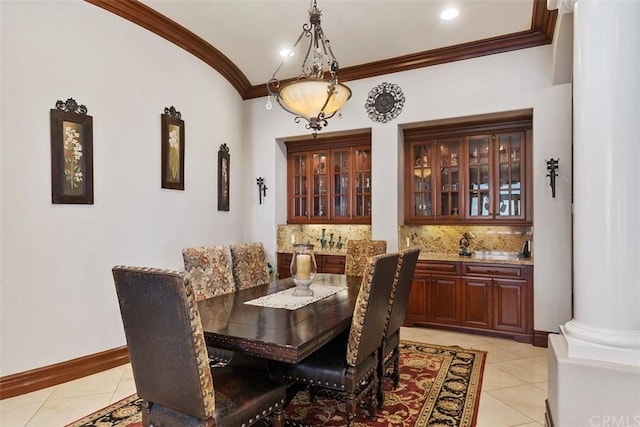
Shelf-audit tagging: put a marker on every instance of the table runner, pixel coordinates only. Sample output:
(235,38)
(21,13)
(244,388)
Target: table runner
(285,299)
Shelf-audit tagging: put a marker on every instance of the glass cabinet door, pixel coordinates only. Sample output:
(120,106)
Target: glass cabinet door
(341,193)
(299,198)
(479,198)
(320,182)
(509,148)
(362,186)
(449,157)
(422,158)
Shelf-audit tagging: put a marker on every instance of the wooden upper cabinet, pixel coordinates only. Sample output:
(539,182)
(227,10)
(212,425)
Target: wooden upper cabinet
(329,180)
(477,174)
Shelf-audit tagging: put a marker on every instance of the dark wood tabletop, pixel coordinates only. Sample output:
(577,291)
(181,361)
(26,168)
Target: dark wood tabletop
(278,333)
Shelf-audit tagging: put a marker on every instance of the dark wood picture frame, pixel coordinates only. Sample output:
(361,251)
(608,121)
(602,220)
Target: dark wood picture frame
(71,154)
(172,131)
(224,173)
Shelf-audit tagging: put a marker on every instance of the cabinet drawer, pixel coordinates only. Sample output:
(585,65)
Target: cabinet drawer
(493,270)
(331,263)
(430,267)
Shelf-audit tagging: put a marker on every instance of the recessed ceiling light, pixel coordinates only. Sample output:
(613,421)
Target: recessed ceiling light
(286,52)
(449,13)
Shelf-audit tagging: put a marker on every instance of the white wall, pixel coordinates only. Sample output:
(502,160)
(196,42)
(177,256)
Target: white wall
(511,81)
(57,293)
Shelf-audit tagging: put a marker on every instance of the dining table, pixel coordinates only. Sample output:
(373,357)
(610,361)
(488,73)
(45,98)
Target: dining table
(280,334)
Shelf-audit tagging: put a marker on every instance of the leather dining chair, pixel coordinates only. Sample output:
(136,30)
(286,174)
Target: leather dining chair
(389,354)
(169,359)
(249,265)
(346,367)
(208,269)
(358,254)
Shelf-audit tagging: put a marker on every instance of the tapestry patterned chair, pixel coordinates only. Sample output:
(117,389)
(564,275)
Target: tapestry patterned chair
(346,367)
(249,265)
(358,254)
(389,350)
(208,269)
(169,359)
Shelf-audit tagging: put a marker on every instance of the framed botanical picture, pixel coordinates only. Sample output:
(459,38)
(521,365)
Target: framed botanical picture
(71,154)
(223,178)
(172,149)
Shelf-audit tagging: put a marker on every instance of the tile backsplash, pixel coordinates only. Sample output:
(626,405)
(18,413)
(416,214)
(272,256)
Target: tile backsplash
(446,238)
(436,239)
(312,233)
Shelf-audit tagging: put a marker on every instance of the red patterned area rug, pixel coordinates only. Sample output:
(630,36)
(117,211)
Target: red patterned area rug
(439,386)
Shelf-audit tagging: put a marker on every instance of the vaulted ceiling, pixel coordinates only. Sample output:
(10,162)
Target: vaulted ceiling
(241,38)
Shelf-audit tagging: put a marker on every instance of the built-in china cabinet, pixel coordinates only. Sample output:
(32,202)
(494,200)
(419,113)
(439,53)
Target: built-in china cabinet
(329,180)
(476,173)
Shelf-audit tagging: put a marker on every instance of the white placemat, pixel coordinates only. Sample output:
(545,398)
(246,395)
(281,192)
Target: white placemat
(285,299)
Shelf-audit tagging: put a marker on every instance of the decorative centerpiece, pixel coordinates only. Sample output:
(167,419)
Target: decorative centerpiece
(303,269)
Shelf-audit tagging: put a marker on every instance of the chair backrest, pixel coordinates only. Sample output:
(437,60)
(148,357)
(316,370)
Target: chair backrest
(408,260)
(209,271)
(165,339)
(358,254)
(249,261)
(368,323)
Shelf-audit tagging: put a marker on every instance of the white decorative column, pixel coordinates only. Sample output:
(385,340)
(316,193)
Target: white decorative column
(594,366)
(606,180)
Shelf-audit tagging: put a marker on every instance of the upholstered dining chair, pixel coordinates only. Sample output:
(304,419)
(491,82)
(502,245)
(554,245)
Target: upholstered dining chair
(358,254)
(169,358)
(389,354)
(346,367)
(249,265)
(208,269)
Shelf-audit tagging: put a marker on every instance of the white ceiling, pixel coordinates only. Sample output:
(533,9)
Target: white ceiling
(252,32)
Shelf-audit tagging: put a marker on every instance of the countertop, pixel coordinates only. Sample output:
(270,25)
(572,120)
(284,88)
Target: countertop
(491,257)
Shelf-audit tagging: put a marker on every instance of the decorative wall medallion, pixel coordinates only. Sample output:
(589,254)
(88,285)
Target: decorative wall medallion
(385,102)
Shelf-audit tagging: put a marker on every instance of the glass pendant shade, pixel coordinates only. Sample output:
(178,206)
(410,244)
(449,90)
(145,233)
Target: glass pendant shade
(307,98)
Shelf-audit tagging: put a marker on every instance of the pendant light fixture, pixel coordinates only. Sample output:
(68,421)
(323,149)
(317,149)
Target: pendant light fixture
(316,95)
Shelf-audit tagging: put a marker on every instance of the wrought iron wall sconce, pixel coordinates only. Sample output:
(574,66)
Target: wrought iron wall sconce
(552,168)
(262,188)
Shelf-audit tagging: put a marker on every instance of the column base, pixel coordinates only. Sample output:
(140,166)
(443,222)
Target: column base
(586,342)
(584,392)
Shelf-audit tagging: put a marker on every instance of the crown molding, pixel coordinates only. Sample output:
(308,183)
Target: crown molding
(543,22)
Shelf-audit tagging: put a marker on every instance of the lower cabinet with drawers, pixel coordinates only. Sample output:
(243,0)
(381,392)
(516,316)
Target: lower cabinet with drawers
(494,298)
(326,264)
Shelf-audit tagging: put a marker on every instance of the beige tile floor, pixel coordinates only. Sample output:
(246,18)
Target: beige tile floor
(513,389)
